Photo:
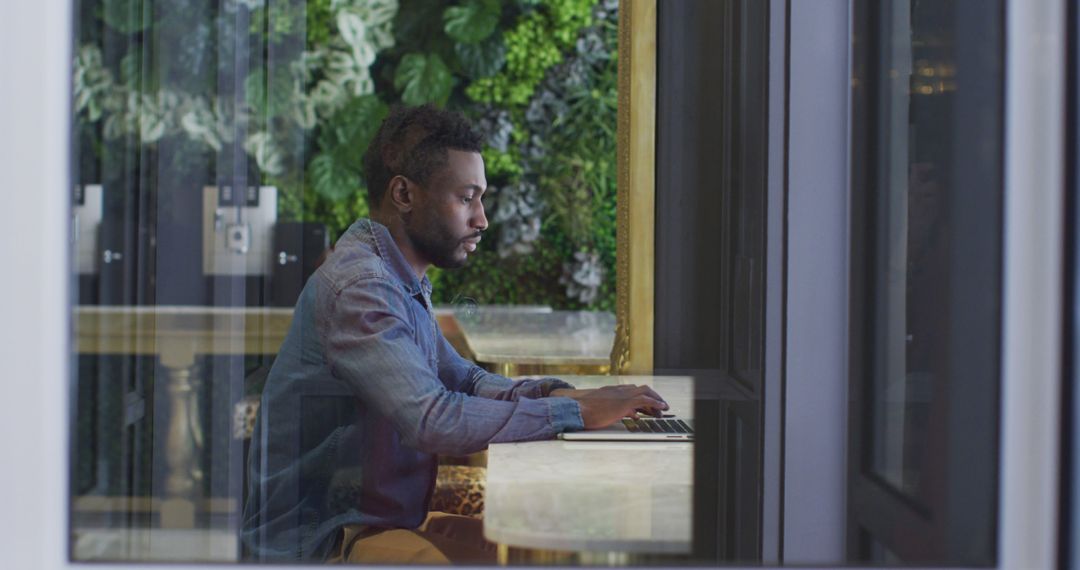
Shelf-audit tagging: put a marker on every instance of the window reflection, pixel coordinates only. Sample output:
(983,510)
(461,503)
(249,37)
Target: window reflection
(918,114)
(219,154)
(925,369)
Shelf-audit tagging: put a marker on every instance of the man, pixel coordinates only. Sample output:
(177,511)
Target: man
(365,391)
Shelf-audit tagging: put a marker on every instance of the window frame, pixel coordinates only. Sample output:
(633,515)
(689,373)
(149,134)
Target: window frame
(38,325)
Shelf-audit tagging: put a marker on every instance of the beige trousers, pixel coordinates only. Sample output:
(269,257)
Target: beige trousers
(441,539)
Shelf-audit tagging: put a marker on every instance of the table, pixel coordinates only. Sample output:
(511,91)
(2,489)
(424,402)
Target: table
(176,334)
(513,342)
(155,545)
(506,337)
(626,497)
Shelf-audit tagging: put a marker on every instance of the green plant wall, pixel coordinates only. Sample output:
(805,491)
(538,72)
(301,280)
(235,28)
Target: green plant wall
(537,76)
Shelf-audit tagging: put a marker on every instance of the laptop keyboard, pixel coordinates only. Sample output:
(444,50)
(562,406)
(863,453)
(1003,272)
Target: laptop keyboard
(656,425)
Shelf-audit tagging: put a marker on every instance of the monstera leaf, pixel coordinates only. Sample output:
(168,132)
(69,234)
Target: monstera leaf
(418,21)
(483,59)
(473,21)
(349,131)
(331,179)
(423,78)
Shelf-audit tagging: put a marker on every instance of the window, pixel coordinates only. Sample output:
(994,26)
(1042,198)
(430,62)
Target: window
(926,283)
(218,151)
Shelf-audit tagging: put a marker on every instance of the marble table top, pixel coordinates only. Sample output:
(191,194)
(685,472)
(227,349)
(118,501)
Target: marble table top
(155,545)
(469,308)
(531,336)
(155,329)
(591,495)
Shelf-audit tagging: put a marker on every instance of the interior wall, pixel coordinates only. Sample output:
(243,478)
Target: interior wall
(35,95)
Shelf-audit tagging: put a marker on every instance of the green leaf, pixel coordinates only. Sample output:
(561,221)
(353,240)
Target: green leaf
(417,21)
(331,179)
(130,70)
(125,16)
(268,100)
(349,132)
(484,59)
(473,21)
(423,79)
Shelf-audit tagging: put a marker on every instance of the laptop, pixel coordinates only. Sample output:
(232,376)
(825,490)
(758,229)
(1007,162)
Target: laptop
(667,428)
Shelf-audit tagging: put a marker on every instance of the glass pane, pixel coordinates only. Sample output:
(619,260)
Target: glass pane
(916,116)
(875,552)
(927,256)
(220,154)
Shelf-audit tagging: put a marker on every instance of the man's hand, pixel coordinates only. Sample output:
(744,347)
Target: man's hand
(601,407)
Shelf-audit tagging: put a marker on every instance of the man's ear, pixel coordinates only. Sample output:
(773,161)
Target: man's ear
(402,194)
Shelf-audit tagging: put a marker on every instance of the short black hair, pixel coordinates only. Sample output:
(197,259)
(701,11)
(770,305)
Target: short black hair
(412,141)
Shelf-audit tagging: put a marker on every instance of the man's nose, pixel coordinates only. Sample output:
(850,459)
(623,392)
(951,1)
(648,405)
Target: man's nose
(480,221)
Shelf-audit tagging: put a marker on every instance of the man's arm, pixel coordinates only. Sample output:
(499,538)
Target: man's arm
(370,345)
(462,375)
(598,407)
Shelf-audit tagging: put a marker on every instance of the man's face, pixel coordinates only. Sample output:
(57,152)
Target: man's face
(445,225)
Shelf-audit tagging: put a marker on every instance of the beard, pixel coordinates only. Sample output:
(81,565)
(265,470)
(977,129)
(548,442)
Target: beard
(435,242)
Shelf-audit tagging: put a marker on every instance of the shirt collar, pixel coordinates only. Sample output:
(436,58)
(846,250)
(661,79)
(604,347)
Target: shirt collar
(378,236)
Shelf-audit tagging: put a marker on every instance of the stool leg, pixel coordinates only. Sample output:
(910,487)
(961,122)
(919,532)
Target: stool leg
(184,476)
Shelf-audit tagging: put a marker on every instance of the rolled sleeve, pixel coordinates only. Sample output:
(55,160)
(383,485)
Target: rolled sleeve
(548,385)
(565,414)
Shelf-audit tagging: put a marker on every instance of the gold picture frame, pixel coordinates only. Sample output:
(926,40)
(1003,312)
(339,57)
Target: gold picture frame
(632,352)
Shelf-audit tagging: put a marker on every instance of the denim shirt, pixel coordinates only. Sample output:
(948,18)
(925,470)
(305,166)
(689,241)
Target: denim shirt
(363,394)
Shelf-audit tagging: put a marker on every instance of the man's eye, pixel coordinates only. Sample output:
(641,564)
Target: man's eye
(466,200)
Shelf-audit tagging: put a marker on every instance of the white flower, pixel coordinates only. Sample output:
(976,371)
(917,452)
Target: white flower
(345,71)
(266,152)
(353,31)
(195,123)
(92,83)
(497,129)
(583,276)
(516,210)
(328,96)
(303,112)
(339,70)
(379,16)
(202,124)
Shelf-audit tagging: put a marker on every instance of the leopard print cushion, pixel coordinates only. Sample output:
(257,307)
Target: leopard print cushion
(459,490)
